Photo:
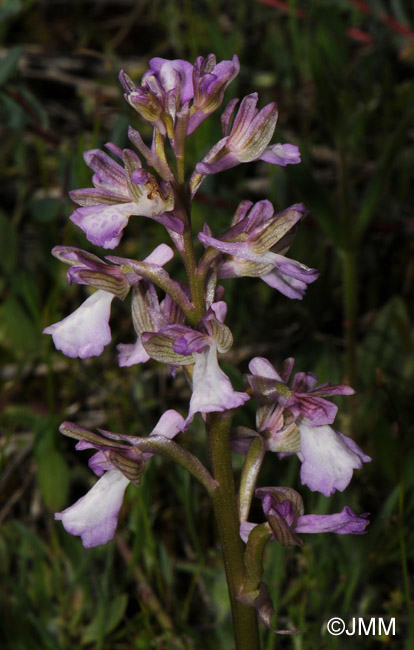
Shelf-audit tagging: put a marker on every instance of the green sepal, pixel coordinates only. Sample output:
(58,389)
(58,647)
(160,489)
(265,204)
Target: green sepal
(222,335)
(79,433)
(267,390)
(253,556)
(119,287)
(274,230)
(250,472)
(141,317)
(255,593)
(254,269)
(160,348)
(131,469)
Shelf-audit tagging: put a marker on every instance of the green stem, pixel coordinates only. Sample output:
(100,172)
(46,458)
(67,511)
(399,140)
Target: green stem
(196,287)
(226,513)
(187,252)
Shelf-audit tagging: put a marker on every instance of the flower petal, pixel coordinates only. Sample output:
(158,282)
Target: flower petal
(166,71)
(220,164)
(86,332)
(129,354)
(281,154)
(95,516)
(108,173)
(212,389)
(342,523)
(286,284)
(160,255)
(329,458)
(169,424)
(103,224)
(263,368)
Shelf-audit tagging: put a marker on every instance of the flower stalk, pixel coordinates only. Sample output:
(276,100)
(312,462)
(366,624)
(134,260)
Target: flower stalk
(183,326)
(227,519)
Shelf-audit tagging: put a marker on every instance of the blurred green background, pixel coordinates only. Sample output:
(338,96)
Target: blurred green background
(341,73)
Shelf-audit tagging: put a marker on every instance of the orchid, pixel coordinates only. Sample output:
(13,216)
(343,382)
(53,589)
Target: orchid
(86,332)
(119,192)
(148,315)
(255,246)
(210,80)
(183,346)
(283,509)
(297,419)
(303,397)
(169,85)
(165,88)
(247,139)
(181,323)
(94,516)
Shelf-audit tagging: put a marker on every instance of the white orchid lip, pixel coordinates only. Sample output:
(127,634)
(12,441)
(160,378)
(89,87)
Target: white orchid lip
(95,516)
(212,389)
(328,458)
(86,331)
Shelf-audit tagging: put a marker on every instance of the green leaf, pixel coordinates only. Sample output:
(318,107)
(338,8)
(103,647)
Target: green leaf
(253,556)
(106,622)
(53,479)
(10,62)
(260,599)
